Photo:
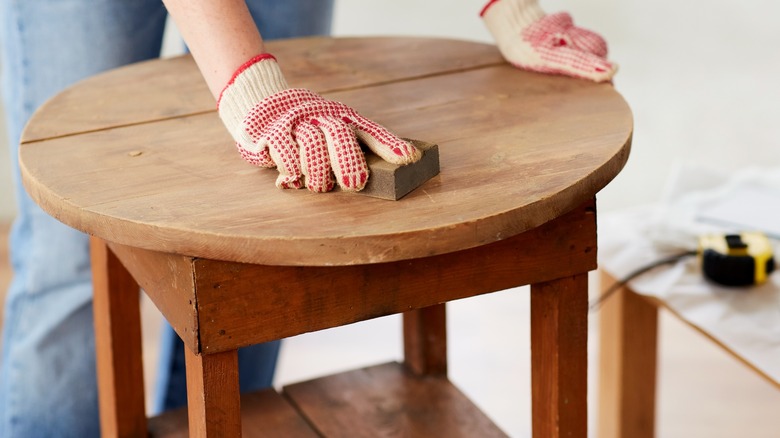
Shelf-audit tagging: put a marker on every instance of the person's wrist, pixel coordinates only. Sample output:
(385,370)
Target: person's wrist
(252,82)
(255,80)
(511,15)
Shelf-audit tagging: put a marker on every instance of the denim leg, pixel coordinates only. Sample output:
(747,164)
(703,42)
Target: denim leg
(291,18)
(275,19)
(47,367)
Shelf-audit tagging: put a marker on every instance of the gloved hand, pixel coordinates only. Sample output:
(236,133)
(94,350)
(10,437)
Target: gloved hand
(308,138)
(532,40)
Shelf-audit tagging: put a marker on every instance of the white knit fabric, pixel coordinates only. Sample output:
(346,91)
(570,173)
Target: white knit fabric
(529,39)
(507,16)
(258,81)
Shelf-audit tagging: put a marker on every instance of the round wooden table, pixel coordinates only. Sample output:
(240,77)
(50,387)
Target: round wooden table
(138,158)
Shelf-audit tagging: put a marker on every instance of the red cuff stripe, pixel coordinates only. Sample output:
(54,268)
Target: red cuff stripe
(244,66)
(487,6)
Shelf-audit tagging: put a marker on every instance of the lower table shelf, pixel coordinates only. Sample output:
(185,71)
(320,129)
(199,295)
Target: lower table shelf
(264,414)
(382,400)
(388,400)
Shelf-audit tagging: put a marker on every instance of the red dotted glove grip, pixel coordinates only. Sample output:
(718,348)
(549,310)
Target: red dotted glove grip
(306,136)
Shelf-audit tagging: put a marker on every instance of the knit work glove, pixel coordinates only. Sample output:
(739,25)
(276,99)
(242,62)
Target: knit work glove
(531,40)
(311,141)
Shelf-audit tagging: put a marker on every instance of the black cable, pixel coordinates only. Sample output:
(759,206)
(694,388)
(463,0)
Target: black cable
(615,287)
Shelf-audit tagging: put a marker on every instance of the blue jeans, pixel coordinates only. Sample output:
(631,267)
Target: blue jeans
(47,367)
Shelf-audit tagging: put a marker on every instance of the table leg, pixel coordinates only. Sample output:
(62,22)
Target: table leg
(425,340)
(559,357)
(213,396)
(628,327)
(117,315)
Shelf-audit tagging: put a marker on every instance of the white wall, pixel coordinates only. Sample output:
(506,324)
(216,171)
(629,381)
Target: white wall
(700,76)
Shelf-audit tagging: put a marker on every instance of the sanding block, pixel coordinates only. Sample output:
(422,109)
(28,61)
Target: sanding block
(393,181)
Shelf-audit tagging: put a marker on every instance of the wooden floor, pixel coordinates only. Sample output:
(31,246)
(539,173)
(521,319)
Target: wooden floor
(703,392)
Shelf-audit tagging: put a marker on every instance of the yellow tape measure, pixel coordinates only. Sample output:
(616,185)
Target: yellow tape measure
(736,259)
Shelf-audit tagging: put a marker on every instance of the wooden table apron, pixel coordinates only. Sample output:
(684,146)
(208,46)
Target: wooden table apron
(138,158)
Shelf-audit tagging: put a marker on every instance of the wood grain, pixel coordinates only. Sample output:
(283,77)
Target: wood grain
(168,280)
(517,149)
(170,88)
(559,358)
(387,400)
(213,402)
(425,340)
(264,414)
(627,366)
(117,315)
(241,304)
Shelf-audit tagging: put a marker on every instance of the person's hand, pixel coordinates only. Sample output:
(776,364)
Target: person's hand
(531,40)
(311,141)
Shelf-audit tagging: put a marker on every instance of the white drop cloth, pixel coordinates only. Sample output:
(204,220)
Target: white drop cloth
(697,201)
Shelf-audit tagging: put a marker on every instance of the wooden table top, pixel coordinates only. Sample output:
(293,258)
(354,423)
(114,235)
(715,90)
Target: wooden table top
(138,156)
